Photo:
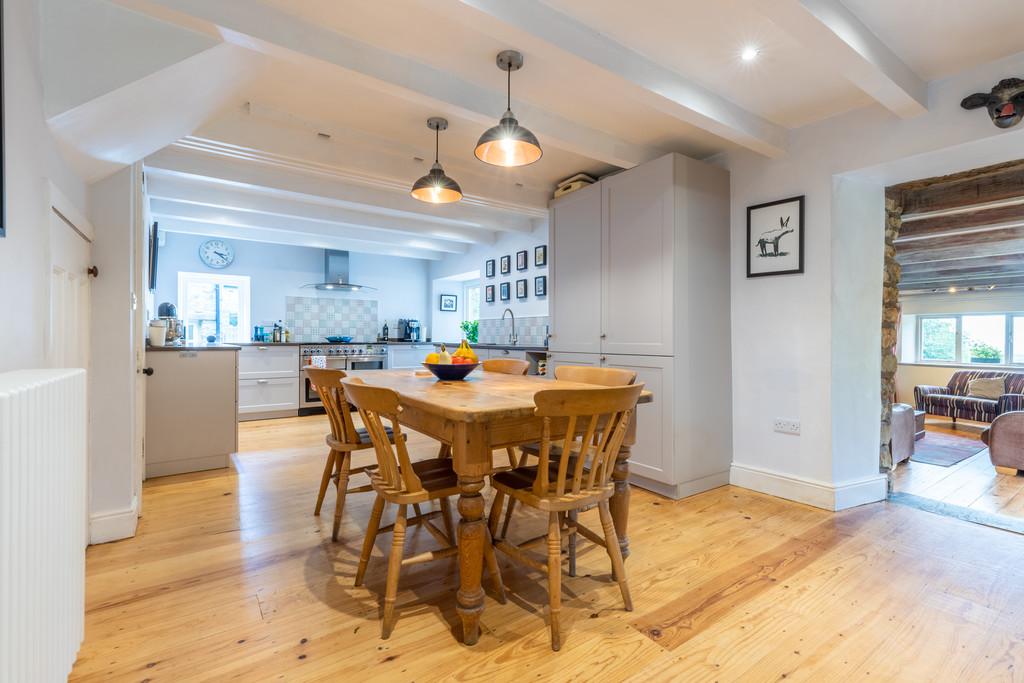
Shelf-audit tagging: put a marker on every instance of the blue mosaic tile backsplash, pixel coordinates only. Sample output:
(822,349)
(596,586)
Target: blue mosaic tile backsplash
(313,318)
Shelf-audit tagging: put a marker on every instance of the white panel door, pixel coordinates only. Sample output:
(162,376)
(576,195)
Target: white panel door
(653,454)
(638,236)
(575,272)
(70,300)
(555,359)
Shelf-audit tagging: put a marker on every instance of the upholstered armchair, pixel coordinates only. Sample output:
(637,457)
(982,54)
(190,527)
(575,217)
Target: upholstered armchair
(1005,440)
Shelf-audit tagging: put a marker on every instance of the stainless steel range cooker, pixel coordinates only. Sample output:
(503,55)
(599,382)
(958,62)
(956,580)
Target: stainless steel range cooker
(338,357)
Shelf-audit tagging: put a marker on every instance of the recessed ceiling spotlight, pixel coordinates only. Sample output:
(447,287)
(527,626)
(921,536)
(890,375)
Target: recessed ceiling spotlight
(952,290)
(749,53)
(991,287)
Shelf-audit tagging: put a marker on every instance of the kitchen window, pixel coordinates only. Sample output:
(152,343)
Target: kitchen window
(215,305)
(471,301)
(971,338)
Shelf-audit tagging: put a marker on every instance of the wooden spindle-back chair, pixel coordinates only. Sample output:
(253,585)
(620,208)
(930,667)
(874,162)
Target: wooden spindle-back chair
(508,366)
(594,423)
(401,481)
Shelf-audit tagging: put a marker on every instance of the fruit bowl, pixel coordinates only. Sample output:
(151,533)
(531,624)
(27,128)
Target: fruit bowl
(451,372)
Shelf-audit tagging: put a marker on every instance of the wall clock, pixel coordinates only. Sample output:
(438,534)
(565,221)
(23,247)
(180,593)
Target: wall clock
(216,253)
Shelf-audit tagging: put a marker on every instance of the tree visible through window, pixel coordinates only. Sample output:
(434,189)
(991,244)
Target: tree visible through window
(938,339)
(215,305)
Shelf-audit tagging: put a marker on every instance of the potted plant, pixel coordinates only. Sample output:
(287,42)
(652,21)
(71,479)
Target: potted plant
(470,330)
(984,353)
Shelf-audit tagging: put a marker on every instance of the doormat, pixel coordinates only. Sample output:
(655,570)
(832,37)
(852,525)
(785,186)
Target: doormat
(945,450)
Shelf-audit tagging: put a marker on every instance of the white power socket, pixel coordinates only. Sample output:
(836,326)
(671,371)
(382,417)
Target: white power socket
(787,426)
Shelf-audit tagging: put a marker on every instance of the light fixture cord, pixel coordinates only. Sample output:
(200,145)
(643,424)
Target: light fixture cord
(437,142)
(508,89)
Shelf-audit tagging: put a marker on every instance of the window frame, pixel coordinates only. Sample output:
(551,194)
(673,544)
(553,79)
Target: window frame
(1008,346)
(466,286)
(244,284)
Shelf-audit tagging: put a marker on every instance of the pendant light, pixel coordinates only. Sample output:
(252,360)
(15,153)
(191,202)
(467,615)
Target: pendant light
(436,187)
(508,143)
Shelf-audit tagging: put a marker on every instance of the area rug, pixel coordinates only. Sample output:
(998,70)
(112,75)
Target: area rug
(945,450)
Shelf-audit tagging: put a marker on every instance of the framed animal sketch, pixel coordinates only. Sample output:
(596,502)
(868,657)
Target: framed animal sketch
(775,238)
(505,291)
(506,265)
(521,289)
(489,268)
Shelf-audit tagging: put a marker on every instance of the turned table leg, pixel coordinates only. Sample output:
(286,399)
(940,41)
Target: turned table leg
(619,502)
(472,536)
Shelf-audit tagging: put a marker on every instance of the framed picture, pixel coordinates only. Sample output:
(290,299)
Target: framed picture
(506,291)
(775,238)
(521,262)
(489,294)
(540,255)
(449,303)
(540,285)
(489,268)
(521,288)
(506,265)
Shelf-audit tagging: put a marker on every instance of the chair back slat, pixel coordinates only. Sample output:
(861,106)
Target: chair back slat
(507,366)
(376,404)
(328,387)
(588,374)
(592,449)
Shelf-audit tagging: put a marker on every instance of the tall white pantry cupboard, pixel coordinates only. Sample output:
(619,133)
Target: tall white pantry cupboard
(640,280)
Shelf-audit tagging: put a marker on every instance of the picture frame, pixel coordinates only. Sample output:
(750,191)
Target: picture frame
(521,262)
(449,303)
(521,289)
(775,238)
(489,268)
(506,264)
(505,291)
(540,256)
(540,285)
(489,294)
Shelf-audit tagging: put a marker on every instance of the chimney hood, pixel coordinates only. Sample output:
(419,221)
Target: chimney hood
(336,274)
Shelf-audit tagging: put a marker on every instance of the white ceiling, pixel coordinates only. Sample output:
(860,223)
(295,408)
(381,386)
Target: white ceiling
(229,97)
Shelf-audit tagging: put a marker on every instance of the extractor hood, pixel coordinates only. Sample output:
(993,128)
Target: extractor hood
(336,274)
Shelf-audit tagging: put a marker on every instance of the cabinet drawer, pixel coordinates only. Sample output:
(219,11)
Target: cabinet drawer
(266,362)
(265,395)
(506,353)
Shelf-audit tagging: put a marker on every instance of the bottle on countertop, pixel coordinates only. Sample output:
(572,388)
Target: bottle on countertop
(385,333)
(277,332)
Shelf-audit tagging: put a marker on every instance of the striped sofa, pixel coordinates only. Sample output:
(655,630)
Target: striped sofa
(952,400)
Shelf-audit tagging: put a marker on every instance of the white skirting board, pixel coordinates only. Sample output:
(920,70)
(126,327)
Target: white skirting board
(683,490)
(812,492)
(114,525)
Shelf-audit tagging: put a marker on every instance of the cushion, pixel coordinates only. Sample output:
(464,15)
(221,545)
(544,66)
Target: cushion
(987,387)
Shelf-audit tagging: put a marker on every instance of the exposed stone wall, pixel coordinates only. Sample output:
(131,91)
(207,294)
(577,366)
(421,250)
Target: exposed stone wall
(890,326)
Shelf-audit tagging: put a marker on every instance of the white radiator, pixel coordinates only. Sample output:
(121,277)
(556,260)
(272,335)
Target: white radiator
(43,520)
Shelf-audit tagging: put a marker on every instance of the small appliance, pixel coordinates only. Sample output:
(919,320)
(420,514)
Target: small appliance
(412,330)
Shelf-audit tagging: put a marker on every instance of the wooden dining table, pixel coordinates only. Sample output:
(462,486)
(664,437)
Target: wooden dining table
(476,416)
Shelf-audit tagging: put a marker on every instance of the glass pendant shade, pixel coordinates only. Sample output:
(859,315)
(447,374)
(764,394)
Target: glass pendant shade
(508,144)
(436,187)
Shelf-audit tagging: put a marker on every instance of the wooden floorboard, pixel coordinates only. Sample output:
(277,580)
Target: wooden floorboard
(232,578)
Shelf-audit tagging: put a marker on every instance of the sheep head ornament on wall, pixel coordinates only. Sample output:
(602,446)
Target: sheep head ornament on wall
(1005,103)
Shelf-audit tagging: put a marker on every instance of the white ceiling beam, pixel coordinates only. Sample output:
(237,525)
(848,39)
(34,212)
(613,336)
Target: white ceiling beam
(289,237)
(451,222)
(840,39)
(655,85)
(259,26)
(271,203)
(247,218)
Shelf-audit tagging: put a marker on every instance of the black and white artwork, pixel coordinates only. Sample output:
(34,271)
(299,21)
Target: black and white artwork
(540,285)
(449,303)
(521,261)
(521,290)
(506,265)
(506,291)
(775,238)
(489,268)
(540,255)
(489,294)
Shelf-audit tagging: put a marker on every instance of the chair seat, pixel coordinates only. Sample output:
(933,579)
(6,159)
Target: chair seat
(364,440)
(518,483)
(436,475)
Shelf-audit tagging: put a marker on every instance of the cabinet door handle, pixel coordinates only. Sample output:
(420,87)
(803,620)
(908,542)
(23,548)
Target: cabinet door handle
(262,348)
(506,351)
(604,336)
(263,381)
(147,371)
(604,358)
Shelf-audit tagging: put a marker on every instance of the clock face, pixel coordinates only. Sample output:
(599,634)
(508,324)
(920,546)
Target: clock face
(216,253)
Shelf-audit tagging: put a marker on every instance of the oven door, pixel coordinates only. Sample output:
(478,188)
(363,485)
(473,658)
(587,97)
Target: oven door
(367,362)
(308,398)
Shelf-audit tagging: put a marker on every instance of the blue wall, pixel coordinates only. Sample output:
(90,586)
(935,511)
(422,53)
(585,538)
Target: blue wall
(278,271)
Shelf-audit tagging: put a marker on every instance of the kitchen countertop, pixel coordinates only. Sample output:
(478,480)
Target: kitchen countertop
(452,345)
(194,347)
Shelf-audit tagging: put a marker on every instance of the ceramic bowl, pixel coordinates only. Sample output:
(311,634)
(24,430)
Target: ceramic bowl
(451,373)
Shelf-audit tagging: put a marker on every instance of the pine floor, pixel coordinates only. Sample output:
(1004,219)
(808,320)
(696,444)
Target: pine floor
(972,483)
(231,578)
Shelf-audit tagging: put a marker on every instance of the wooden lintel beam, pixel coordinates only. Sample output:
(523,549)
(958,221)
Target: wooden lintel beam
(977,221)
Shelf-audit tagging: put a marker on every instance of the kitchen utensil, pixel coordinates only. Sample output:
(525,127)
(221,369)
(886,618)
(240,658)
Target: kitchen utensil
(451,373)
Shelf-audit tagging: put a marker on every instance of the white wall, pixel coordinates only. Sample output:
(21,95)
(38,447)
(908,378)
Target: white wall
(806,346)
(278,271)
(31,158)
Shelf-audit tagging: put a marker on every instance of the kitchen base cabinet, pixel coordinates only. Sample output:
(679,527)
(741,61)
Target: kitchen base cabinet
(410,356)
(268,382)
